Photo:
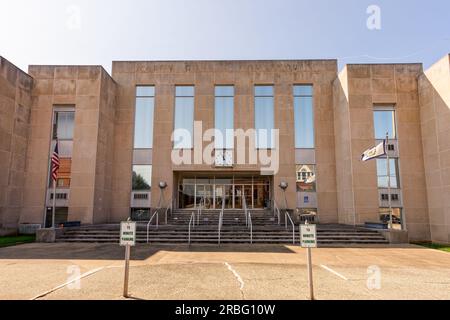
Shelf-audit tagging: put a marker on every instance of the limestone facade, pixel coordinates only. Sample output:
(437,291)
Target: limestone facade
(102,152)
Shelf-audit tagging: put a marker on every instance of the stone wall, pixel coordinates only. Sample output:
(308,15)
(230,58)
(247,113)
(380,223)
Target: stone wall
(204,75)
(357,90)
(347,190)
(15,104)
(434,89)
(342,136)
(87,88)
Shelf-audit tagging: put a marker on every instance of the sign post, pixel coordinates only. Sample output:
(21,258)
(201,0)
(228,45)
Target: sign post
(308,240)
(127,239)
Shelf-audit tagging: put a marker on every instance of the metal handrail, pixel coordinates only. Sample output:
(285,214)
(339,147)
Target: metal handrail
(278,211)
(248,219)
(221,220)
(274,210)
(286,213)
(199,210)
(156,213)
(191,222)
(251,226)
(169,207)
(245,210)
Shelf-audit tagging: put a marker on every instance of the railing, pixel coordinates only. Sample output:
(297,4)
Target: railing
(199,209)
(191,222)
(287,215)
(244,203)
(251,226)
(248,219)
(155,214)
(221,220)
(169,208)
(277,211)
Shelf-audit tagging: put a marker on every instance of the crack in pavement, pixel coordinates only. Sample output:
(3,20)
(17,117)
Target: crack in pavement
(238,277)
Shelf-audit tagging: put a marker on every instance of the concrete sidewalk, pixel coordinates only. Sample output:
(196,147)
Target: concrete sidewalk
(228,272)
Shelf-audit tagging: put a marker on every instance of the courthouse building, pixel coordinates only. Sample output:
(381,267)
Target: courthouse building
(117,136)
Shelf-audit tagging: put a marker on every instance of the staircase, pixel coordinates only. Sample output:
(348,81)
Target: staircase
(234,230)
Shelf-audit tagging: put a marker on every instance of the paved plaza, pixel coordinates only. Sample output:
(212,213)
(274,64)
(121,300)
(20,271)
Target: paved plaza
(50,271)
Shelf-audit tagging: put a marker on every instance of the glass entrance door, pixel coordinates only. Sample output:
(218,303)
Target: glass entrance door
(248,195)
(238,194)
(223,193)
(261,198)
(210,192)
(204,195)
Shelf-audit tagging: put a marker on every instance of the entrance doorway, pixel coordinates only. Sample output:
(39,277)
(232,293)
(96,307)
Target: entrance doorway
(210,191)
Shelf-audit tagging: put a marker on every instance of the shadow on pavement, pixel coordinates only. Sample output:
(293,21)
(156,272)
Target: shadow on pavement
(95,251)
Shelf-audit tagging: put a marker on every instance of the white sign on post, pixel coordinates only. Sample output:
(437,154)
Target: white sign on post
(308,236)
(127,239)
(308,240)
(127,233)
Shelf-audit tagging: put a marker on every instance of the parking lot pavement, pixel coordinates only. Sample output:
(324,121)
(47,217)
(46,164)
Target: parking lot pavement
(228,272)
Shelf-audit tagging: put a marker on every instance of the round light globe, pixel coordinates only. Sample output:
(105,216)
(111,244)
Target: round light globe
(283,185)
(162,184)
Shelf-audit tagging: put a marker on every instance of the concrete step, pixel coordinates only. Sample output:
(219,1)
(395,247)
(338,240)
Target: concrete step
(233,233)
(226,240)
(223,231)
(212,232)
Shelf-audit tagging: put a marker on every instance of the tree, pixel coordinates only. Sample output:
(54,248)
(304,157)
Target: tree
(139,182)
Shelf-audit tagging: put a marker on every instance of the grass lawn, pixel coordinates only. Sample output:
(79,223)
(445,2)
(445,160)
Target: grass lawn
(11,241)
(436,246)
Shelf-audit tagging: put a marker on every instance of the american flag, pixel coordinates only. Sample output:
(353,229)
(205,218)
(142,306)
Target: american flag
(55,162)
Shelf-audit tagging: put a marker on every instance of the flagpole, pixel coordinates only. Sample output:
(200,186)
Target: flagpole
(54,190)
(54,202)
(389,180)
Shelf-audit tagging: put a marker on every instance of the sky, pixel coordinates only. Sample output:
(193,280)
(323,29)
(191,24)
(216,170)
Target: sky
(97,32)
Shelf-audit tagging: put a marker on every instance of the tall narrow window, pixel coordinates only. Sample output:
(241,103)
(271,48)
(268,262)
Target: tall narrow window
(382,173)
(264,117)
(224,117)
(63,128)
(142,177)
(306,178)
(303,117)
(384,122)
(63,125)
(143,123)
(184,117)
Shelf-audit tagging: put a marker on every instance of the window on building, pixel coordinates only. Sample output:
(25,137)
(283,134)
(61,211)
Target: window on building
(143,123)
(184,117)
(224,117)
(63,128)
(382,173)
(396,217)
(306,178)
(384,122)
(303,116)
(264,117)
(140,214)
(142,177)
(63,125)
(63,180)
(61,215)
